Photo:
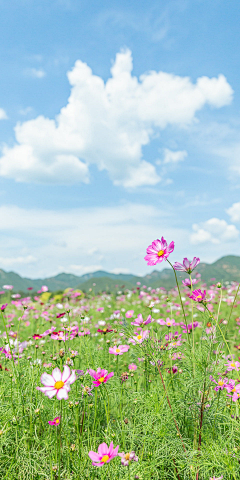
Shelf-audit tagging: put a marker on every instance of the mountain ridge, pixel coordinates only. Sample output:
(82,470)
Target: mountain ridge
(226,268)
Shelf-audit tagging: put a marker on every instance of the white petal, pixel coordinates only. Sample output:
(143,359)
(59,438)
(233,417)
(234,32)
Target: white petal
(66,373)
(62,394)
(47,380)
(56,373)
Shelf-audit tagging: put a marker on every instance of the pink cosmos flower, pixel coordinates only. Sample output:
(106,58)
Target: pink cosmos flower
(7,287)
(132,367)
(56,421)
(100,376)
(186,266)
(221,383)
(58,383)
(36,336)
(188,328)
(86,390)
(231,365)
(158,251)
(61,336)
(198,295)
(105,454)
(129,313)
(127,457)
(119,349)
(140,336)
(3,307)
(60,315)
(85,332)
(187,282)
(169,322)
(216,478)
(139,320)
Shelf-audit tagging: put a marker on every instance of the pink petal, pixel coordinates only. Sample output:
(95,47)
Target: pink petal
(94,456)
(103,449)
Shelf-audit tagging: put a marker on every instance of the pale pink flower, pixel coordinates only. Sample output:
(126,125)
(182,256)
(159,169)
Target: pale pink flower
(132,367)
(119,349)
(7,287)
(58,383)
(61,336)
(140,336)
(139,320)
(100,376)
(158,251)
(231,365)
(129,313)
(186,266)
(105,454)
(128,457)
(168,322)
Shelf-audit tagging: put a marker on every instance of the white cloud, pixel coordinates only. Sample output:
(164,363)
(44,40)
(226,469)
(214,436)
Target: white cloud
(35,72)
(3,115)
(81,269)
(15,261)
(107,124)
(120,270)
(174,157)
(119,235)
(214,231)
(234,212)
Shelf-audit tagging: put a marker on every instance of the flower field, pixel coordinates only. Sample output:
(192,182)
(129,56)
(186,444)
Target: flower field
(142,384)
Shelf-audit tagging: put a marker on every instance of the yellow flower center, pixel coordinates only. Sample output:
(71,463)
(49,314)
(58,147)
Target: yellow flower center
(57,421)
(104,329)
(199,296)
(234,390)
(118,350)
(101,380)
(105,458)
(139,337)
(169,323)
(220,383)
(232,364)
(127,456)
(160,253)
(59,385)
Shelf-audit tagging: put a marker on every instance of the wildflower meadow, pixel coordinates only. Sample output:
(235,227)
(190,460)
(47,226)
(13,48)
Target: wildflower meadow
(141,384)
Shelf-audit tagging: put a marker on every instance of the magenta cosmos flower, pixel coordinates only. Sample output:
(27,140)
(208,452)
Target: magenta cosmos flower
(186,266)
(56,421)
(198,295)
(221,383)
(139,320)
(119,350)
(158,251)
(100,376)
(105,454)
(58,383)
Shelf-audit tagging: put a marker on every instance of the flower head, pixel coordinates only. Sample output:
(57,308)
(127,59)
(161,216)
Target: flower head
(198,296)
(139,320)
(119,349)
(100,376)
(128,457)
(186,266)
(86,390)
(158,251)
(187,282)
(3,307)
(169,322)
(56,421)
(105,454)
(231,365)
(104,330)
(58,383)
(129,313)
(132,367)
(140,336)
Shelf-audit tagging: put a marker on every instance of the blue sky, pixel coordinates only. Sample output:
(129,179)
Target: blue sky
(119,124)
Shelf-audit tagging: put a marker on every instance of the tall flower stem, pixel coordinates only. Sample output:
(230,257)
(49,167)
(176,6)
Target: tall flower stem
(178,291)
(59,440)
(175,421)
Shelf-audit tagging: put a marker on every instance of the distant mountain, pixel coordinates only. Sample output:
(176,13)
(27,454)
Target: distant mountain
(225,269)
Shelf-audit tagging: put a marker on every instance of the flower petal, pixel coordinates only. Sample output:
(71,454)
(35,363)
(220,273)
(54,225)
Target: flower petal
(62,394)
(56,373)
(66,373)
(47,380)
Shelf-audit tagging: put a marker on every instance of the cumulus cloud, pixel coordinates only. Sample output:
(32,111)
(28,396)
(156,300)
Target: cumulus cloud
(108,124)
(234,212)
(214,231)
(3,115)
